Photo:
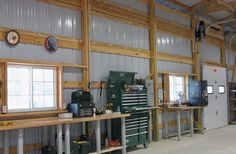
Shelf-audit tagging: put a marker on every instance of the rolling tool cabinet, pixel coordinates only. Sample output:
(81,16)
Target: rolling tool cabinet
(133,102)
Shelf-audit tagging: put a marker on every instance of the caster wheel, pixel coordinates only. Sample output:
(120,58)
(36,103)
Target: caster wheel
(145,145)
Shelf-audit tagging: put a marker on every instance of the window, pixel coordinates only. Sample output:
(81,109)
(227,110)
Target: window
(210,89)
(221,89)
(31,88)
(176,87)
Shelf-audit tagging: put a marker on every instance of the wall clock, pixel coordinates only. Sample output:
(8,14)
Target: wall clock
(12,37)
(51,44)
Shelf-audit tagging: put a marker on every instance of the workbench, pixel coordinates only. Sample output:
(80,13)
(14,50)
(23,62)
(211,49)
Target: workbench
(20,125)
(178,111)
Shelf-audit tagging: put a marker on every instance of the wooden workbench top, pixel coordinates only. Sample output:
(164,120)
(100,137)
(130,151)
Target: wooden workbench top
(39,122)
(184,107)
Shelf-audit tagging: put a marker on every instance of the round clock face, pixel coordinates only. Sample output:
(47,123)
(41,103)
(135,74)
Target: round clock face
(12,37)
(51,44)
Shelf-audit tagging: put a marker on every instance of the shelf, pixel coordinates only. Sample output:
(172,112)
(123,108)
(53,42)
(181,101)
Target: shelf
(109,150)
(232,99)
(233,122)
(233,91)
(233,109)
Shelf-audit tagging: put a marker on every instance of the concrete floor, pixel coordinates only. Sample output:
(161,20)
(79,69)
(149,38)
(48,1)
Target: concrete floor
(218,141)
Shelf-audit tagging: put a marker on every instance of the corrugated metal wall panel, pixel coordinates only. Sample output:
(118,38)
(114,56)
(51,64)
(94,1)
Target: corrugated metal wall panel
(210,52)
(231,55)
(135,4)
(32,15)
(164,66)
(39,53)
(115,32)
(173,45)
(102,63)
(173,17)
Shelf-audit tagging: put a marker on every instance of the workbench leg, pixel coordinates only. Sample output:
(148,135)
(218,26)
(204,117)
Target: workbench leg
(123,135)
(150,127)
(202,116)
(6,142)
(45,135)
(166,129)
(98,136)
(109,129)
(178,124)
(84,128)
(191,122)
(67,138)
(59,139)
(20,143)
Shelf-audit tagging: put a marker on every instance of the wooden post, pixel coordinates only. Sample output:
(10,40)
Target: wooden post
(86,16)
(166,88)
(153,48)
(59,88)
(195,51)
(223,54)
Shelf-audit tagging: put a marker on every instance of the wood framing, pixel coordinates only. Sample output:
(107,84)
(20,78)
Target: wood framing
(195,51)
(59,88)
(167,26)
(39,39)
(153,71)
(119,12)
(174,58)
(166,82)
(86,17)
(27,148)
(70,4)
(119,50)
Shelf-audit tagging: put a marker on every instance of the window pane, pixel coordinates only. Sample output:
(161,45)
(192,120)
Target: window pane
(48,75)
(18,74)
(12,88)
(179,80)
(37,74)
(49,101)
(24,74)
(18,102)
(23,88)
(38,88)
(48,88)
(38,101)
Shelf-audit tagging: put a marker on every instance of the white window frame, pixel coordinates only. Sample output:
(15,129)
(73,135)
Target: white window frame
(54,68)
(174,89)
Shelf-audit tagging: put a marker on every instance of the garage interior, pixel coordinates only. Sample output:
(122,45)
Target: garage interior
(117,76)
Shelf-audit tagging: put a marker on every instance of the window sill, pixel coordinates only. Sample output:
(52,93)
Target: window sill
(30,114)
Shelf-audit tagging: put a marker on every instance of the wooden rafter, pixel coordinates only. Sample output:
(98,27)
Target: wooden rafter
(180,4)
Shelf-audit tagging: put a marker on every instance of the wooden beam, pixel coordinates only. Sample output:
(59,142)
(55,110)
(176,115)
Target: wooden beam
(27,148)
(70,4)
(119,50)
(119,12)
(86,19)
(153,67)
(72,85)
(164,25)
(33,62)
(195,51)
(180,4)
(211,63)
(166,88)
(172,11)
(39,39)
(174,58)
(59,88)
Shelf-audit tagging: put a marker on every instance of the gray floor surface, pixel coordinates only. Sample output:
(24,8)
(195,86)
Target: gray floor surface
(217,141)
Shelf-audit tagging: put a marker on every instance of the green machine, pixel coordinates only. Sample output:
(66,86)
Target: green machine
(125,97)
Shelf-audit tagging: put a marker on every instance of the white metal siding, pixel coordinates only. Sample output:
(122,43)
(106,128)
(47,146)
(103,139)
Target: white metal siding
(32,15)
(115,32)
